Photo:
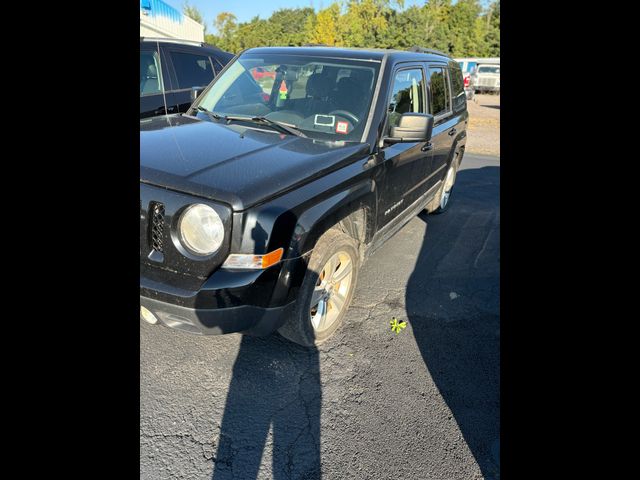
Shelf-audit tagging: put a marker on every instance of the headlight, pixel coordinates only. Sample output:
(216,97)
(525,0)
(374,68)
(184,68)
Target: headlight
(201,229)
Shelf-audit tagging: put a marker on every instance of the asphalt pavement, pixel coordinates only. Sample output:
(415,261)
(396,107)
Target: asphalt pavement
(369,403)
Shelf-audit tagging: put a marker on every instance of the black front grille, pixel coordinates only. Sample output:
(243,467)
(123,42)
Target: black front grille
(157,227)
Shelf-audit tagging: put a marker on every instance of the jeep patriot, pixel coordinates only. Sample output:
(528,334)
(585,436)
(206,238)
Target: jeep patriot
(259,205)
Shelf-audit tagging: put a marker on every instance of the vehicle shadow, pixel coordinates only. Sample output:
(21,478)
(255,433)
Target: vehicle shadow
(272,408)
(453,307)
(452,301)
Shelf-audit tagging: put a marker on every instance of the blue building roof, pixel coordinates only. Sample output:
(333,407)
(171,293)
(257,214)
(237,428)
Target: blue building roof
(157,8)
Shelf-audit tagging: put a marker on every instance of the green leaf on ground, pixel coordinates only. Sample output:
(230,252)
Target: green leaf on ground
(397,326)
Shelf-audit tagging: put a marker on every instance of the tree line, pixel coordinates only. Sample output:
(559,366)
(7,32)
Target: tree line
(461,29)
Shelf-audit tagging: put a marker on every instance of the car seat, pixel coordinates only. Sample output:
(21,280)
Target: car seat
(317,92)
(348,95)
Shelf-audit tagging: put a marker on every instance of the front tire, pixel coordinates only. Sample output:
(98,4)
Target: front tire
(326,291)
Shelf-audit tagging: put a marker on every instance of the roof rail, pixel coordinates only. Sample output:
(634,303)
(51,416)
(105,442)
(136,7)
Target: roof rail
(173,40)
(418,49)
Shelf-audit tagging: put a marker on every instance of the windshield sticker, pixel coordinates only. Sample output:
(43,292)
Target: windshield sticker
(342,127)
(325,120)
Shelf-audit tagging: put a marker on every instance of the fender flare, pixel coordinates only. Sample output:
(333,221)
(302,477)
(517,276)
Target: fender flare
(317,219)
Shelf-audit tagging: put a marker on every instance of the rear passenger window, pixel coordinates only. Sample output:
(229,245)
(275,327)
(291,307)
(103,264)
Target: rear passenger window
(457,86)
(406,95)
(439,90)
(192,70)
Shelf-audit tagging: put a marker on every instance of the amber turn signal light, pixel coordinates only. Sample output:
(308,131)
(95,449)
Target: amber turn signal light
(256,262)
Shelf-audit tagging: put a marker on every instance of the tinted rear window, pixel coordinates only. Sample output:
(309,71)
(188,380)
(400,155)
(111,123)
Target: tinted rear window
(439,90)
(457,87)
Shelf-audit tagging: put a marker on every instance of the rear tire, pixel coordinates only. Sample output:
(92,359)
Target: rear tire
(326,291)
(443,197)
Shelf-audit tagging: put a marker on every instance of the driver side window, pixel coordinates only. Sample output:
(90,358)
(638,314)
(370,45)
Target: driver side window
(407,95)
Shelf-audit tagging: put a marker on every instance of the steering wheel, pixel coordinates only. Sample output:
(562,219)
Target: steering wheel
(344,113)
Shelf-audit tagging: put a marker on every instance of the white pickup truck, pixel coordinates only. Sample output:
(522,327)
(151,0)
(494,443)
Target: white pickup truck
(486,78)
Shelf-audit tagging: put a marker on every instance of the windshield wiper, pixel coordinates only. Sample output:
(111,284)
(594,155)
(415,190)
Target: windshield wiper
(215,116)
(281,126)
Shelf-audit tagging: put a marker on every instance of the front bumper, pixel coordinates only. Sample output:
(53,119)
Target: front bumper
(256,302)
(485,88)
(216,321)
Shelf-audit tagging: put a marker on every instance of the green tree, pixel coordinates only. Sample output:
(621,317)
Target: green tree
(252,34)
(327,26)
(463,33)
(438,26)
(407,28)
(226,25)
(193,13)
(492,37)
(460,29)
(286,26)
(365,23)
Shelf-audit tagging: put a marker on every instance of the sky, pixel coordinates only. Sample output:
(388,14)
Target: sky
(245,10)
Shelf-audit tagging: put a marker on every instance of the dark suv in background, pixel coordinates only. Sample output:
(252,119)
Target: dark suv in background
(172,69)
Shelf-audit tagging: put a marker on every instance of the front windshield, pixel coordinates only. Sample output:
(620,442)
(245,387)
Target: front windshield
(486,69)
(326,98)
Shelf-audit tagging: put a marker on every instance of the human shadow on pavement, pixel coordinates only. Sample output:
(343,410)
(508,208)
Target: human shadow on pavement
(453,307)
(272,409)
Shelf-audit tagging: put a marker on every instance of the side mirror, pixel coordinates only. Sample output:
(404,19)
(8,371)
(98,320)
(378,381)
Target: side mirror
(195,92)
(413,127)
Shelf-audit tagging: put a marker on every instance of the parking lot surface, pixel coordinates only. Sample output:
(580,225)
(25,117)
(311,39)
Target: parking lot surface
(369,403)
(484,124)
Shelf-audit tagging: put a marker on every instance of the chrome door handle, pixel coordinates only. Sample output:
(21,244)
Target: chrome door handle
(427,146)
(452,132)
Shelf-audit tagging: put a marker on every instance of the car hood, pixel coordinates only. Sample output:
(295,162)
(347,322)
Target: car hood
(234,164)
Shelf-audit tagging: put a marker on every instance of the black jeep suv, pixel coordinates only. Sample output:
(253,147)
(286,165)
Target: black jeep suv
(172,72)
(258,206)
